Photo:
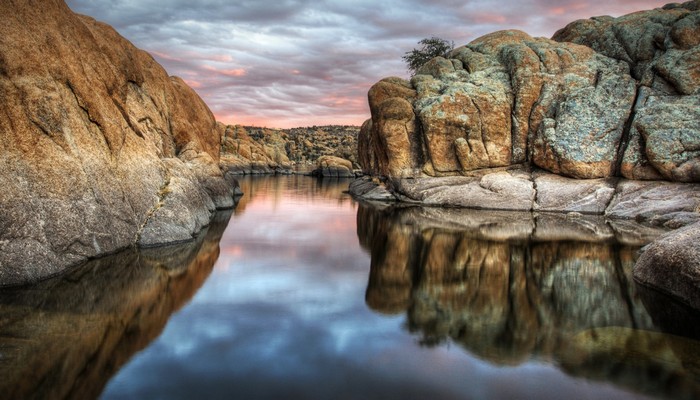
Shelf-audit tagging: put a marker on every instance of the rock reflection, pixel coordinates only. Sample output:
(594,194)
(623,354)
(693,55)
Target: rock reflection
(275,188)
(511,288)
(65,337)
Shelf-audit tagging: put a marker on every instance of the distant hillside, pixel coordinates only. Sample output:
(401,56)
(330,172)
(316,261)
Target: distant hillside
(249,149)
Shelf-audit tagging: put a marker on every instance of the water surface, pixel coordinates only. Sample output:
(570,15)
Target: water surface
(314,295)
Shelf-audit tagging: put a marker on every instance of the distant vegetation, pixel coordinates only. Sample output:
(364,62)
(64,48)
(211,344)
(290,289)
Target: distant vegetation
(430,48)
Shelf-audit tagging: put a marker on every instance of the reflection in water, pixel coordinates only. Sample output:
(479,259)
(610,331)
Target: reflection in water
(65,337)
(543,307)
(295,188)
(508,289)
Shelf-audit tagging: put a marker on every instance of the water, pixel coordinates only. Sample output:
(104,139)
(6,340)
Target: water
(305,293)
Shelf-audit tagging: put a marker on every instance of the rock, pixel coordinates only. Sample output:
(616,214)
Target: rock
(242,154)
(365,154)
(644,40)
(68,335)
(100,147)
(657,203)
(557,193)
(335,167)
(662,50)
(506,98)
(670,128)
(391,139)
(607,97)
(254,150)
(179,211)
(672,265)
(504,190)
(370,189)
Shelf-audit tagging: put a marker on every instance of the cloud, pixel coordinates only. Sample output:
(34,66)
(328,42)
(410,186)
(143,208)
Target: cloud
(303,62)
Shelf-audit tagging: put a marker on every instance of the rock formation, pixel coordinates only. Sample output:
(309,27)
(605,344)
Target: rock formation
(662,49)
(601,119)
(252,150)
(605,97)
(243,154)
(100,149)
(333,167)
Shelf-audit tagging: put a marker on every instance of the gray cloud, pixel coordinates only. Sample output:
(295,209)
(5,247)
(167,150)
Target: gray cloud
(303,62)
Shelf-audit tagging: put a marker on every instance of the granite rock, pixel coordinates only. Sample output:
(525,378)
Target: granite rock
(92,132)
(671,264)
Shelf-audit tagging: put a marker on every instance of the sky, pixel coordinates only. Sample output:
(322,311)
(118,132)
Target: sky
(291,63)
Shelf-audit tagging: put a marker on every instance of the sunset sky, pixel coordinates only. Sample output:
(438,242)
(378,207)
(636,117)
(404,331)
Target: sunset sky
(289,63)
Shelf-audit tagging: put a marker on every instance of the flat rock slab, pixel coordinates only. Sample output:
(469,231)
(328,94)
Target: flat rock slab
(671,264)
(504,190)
(587,196)
(667,204)
(369,189)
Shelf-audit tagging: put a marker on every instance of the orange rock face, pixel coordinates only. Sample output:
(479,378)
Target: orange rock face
(100,148)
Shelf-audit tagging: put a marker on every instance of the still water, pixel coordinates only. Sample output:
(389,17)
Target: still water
(302,292)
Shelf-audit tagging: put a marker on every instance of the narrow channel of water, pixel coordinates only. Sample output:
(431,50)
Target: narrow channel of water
(303,292)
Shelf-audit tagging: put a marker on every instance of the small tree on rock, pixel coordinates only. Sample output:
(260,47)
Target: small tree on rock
(430,48)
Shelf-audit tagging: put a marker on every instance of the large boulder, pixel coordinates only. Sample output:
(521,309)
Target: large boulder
(333,167)
(242,154)
(662,50)
(100,149)
(506,98)
(390,142)
(605,97)
(672,265)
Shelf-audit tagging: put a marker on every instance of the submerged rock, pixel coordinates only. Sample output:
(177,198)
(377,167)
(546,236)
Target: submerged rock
(100,148)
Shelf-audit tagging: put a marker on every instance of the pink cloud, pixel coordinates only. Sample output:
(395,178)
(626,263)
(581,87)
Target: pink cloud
(193,84)
(557,11)
(235,72)
(489,18)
